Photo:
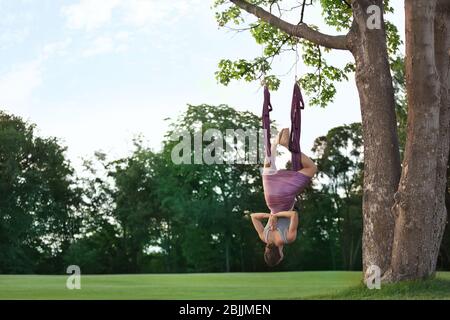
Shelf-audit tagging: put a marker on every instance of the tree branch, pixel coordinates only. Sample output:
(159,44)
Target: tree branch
(300,31)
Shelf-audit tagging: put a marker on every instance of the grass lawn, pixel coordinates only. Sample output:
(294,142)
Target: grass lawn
(284,285)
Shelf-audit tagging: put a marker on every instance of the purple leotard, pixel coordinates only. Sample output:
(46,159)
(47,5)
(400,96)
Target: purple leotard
(281,188)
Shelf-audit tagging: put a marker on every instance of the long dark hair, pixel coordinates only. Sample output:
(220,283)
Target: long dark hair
(272,255)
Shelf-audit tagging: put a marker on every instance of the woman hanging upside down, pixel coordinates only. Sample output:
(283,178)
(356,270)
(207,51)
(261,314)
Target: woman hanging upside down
(280,190)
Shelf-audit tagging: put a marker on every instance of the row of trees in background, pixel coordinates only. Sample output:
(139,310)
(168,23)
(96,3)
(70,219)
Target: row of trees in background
(143,213)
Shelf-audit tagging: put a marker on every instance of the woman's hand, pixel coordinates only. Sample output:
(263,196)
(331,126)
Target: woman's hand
(273,222)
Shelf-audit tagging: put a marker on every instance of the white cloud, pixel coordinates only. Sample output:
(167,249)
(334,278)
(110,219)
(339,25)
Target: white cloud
(142,12)
(14,28)
(56,48)
(122,36)
(150,12)
(130,18)
(99,45)
(93,14)
(89,14)
(17,85)
(11,37)
(107,44)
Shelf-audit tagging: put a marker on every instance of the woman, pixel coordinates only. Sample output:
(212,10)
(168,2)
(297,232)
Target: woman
(280,190)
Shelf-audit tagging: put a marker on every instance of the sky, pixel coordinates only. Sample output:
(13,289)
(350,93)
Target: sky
(96,73)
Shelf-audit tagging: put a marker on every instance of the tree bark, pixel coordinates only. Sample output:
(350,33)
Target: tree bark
(419,207)
(442,56)
(381,147)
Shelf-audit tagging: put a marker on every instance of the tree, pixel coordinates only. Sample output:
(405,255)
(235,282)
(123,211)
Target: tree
(137,207)
(38,199)
(145,212)
(318,245)
(339,159)
(214,197)
(402,232)
(97,248)
(420,212)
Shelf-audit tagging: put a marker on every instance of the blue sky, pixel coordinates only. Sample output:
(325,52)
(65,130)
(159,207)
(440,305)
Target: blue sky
(96,73)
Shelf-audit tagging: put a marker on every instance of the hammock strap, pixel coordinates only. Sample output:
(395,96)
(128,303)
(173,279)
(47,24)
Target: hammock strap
(294,137)
(267,107)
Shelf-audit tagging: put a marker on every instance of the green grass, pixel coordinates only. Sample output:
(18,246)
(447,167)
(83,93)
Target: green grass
(284,285)
(438,288)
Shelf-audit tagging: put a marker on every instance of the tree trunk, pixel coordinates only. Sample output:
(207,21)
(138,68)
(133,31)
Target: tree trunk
(381,147)
(242,258)
(442,56)
(419,207)
(227,255)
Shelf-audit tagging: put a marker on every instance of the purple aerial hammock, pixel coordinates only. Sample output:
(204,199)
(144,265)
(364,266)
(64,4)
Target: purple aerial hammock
(281,187)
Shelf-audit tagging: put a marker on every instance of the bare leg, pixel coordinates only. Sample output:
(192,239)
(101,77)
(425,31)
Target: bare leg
(309,168)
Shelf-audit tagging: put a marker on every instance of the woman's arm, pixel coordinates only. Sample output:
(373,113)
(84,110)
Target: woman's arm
(293,216)
(285,214)
(256,220)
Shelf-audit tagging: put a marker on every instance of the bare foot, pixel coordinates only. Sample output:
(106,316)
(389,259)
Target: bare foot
(284,137)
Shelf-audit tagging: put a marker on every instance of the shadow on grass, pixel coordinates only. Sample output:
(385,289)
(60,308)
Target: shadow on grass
(409,290)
